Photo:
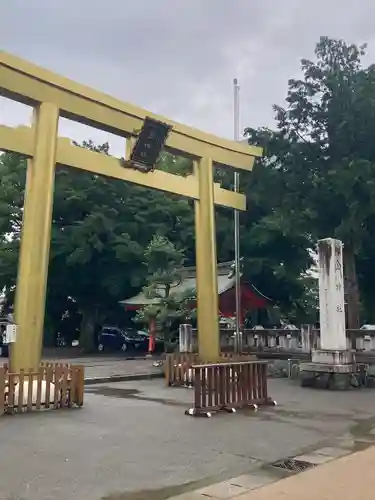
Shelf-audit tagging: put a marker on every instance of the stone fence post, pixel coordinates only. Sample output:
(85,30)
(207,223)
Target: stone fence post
(306,332)
(186,338)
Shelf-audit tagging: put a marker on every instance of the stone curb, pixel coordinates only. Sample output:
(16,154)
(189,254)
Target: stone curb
(123,378)
(261,477)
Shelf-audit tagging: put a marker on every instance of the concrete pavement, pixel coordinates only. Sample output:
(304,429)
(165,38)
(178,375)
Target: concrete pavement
(105,368)
(332,474)
(132,441)
(344,478)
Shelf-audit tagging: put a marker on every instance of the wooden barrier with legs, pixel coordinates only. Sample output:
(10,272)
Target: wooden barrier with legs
(178,366)
(228,386)
(53,386)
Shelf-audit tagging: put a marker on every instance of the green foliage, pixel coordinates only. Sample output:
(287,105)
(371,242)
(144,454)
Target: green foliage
(275,253)
(305,306)
(100,230)
(164,268)
(93,244)
(329,150)
(12,183)
(323,154)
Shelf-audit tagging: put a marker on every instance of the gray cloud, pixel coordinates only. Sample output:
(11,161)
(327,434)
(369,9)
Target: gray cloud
(178,57)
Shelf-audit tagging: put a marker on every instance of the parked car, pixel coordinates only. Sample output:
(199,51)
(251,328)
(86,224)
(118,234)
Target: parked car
(112,338)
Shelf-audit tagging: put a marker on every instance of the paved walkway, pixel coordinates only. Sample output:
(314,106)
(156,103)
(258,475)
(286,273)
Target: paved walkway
(343,479)
(132,441)
(104,367)
(331,478)
(97,367)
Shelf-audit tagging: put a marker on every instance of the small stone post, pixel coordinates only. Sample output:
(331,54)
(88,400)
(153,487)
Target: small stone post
(306,338)
(186,338)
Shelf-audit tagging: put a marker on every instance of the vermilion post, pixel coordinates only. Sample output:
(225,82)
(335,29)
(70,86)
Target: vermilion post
(151,338)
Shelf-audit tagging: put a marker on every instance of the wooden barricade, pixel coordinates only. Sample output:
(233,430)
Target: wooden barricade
(178,366)
(228,386)
(53,386)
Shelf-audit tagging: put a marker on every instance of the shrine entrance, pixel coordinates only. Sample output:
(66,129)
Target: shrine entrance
(52,97)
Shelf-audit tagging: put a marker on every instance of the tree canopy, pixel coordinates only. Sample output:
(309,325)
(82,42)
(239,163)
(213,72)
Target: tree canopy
(100,231)
(164,263)
(324,153)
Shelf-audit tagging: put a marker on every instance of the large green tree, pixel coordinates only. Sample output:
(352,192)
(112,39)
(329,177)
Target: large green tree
(275,254)
(100,230)
(168,301)
(12,183)
(324,153)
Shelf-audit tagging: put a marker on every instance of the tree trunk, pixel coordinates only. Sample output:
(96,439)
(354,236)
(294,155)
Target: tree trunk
(351,288)
(50,332)
(87,337)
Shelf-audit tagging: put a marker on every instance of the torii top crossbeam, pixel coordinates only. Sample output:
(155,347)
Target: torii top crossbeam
(29,84)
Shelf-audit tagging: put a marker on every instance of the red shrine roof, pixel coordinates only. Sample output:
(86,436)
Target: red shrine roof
(251,297)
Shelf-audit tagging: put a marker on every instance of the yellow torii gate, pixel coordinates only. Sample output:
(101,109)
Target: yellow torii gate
(52,96)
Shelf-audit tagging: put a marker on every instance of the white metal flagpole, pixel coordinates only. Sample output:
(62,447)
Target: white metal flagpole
(236,134)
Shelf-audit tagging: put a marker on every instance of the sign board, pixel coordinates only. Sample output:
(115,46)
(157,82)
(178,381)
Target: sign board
(10,334)
(149,144)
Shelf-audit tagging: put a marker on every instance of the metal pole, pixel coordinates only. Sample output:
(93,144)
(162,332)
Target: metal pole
(236,133)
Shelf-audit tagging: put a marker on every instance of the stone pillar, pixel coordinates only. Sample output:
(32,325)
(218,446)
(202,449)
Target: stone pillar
(306,338)
(332,365)
(186,338)
(331,295)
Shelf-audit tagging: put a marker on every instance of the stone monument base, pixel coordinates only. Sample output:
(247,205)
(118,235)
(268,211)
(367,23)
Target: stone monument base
(329,369)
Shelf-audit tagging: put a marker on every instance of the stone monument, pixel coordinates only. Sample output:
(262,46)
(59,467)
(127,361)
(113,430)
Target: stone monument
(333,364)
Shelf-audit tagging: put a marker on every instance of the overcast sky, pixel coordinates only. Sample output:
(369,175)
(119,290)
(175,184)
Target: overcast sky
(179,57)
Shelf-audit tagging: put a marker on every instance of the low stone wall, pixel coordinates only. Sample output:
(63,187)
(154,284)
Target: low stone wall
(293,343)
(289,368)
